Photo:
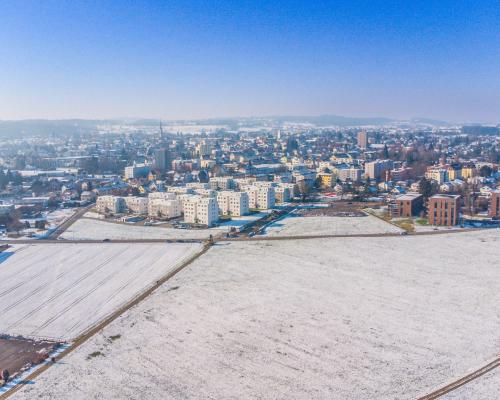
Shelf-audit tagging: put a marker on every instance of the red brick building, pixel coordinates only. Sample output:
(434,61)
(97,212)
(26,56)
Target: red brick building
(407,205)
(495,204)
(443,209)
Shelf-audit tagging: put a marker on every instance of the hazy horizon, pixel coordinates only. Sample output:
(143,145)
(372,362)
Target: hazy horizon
(185,61)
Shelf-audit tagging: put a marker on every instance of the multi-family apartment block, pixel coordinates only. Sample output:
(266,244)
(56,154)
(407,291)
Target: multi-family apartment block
(164,208)
(282,194)
(201,210)
(222,183)
(137,205)
(407,205)
(233,203)
(110,204)
(378,169)
(494,211)
(137,171)
(260,197)
(443,209)
(352,174)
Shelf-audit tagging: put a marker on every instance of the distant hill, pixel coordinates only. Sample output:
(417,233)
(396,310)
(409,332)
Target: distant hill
(82,126)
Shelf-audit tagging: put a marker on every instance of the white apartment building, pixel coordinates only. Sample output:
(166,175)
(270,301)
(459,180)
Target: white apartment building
(440,175)
(377,169)
(282,194)
(163,208)
(233,203)
(110,204)
(162,195)
(137,205)
(241,182)
(180,190)
(349,174)
(206,192)
(221,183)
(198,185)
(201,210)
(137,171)
(261,197)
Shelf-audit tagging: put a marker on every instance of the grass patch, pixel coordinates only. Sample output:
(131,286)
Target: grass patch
(406,224)
(422,222)
(95,354)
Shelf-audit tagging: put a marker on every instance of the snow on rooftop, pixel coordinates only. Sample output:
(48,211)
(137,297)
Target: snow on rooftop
(344,318)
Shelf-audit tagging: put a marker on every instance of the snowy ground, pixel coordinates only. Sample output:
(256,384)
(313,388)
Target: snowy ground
(349,318)
(60,290)
(86,228)
(480,389)
(296,225)
(58,216)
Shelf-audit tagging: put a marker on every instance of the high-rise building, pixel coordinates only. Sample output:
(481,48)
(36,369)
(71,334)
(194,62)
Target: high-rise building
(363,140)
(162,160)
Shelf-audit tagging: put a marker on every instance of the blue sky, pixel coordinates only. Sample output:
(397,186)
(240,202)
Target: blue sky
(198,59)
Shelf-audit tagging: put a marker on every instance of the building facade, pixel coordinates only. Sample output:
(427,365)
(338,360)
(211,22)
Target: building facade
(233,203)
(110,204)
(494,211)
(443,210)
(407,205)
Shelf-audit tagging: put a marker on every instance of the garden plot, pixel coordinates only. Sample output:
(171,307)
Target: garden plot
(337,319)
(60,290)
(91,229)
(298,225)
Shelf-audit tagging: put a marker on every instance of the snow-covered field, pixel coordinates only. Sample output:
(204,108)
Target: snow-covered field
(86,228)
(296,225)
(482,388)
(93,229)
(58,216)
(60,290)
(346,318)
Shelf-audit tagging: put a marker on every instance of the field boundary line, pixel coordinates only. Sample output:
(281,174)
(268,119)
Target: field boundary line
(462,381)
(105,322)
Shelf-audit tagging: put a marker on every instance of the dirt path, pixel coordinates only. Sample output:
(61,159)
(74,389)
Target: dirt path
(462,381)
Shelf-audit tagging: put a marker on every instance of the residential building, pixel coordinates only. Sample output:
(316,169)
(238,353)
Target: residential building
(377,169)
(222,183)
(261,197)
(327,180)
(233,203)
(363,139)
(282,194)
(163,162)
(162,195)
(438,174)
(164,208)
(201,210)
(352,174)
(110,204)
(494,211)
(407,205)
(443,209)
(137,205)
(137,171)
